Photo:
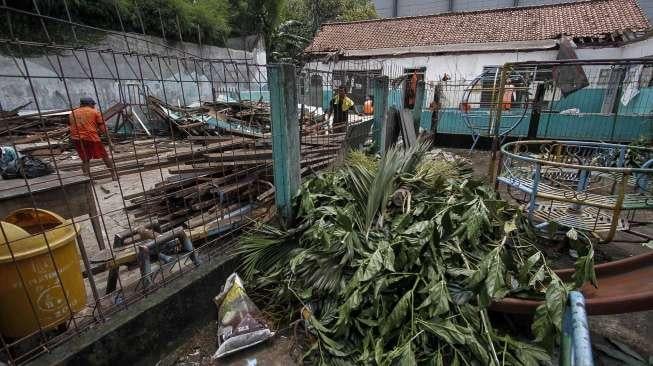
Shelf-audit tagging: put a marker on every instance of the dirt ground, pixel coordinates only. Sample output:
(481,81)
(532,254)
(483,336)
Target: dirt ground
(198,349)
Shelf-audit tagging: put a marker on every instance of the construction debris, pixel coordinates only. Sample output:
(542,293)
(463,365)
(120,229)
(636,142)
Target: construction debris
(227,181)
(21,127)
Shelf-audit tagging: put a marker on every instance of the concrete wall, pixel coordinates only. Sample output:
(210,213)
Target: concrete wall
(57,79)
(385,8)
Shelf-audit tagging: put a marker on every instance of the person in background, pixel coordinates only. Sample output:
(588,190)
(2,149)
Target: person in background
(368,106)
(86,124)
(434,107)
(340,106)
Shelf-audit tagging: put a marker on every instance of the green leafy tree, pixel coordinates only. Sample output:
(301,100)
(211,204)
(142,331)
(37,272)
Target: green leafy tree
(172,19)
(256,17)
(301,19)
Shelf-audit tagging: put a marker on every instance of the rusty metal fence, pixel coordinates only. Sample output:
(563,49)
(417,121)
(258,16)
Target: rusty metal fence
(189,164)
(188,139)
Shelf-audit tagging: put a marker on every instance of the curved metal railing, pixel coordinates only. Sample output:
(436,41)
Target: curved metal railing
(586,185)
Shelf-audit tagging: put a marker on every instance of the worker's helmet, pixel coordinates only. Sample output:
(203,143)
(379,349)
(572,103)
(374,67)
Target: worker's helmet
(87,101)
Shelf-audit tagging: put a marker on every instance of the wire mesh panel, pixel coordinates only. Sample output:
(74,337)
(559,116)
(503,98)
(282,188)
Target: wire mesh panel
(122,167)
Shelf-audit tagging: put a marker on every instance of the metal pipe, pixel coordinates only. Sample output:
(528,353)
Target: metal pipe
(154,245)
(576,347)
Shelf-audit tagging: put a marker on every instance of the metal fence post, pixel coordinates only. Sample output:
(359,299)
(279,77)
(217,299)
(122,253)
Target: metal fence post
(576,348)
(285,137)
(419,102)
(380,87)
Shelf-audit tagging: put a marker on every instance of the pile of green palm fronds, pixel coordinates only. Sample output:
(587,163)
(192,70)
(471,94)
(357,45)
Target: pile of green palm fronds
(398,260)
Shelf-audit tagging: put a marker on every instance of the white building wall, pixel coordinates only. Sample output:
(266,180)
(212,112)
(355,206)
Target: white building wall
(463,68)
(469,65)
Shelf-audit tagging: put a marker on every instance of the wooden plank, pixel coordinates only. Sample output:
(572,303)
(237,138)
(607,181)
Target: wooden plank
(408,127)
(19,187)
(210,138)
(247,155)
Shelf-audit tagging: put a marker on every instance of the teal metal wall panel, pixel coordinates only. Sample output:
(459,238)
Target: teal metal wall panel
(595,127)
(586,100)
(642,103)
(629,128)
(451,121)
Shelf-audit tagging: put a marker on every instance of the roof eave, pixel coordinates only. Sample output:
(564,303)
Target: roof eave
(487,47)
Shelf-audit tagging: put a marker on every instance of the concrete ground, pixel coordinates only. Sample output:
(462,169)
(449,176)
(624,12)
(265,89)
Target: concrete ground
(114,219)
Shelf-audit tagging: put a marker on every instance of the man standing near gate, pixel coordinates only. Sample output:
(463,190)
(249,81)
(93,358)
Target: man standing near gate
(86,124)
(340,106)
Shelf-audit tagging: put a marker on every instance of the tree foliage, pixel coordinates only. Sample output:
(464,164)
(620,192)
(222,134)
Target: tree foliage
(172,19)
(395,262)
(301,19)
(255,17)
(287,25)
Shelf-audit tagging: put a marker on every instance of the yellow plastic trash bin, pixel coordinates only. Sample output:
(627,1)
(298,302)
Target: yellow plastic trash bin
(31,292)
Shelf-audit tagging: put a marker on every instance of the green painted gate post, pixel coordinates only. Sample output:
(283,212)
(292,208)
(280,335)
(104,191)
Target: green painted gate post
(285,137)
(380,87)
(419,102)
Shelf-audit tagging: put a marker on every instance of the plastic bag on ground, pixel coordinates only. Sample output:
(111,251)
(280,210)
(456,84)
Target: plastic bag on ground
(240,324)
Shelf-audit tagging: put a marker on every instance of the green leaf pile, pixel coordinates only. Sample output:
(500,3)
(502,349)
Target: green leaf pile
(398,260)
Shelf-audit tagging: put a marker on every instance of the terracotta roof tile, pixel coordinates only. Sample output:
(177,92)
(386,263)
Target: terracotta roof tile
(591,18)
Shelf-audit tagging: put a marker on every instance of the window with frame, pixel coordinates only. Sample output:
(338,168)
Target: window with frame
(604,77)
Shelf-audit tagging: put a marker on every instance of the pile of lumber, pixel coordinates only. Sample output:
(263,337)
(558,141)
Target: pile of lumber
(33,126)
(242,118)
(227,174)
(224,183)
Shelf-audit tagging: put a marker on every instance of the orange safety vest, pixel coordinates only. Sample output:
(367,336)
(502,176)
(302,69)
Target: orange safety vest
(507,96)
(368,108)
(84,123)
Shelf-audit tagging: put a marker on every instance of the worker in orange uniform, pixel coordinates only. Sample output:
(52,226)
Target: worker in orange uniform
(85,125)
(368,105)
(508,94)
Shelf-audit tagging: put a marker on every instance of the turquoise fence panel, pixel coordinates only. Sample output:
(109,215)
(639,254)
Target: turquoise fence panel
(642,103)
(560,126)
(425,119)
(452,121)
(586,100)
(394,99)
(522,126)
(629,128)
(594,127)
(327,94)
